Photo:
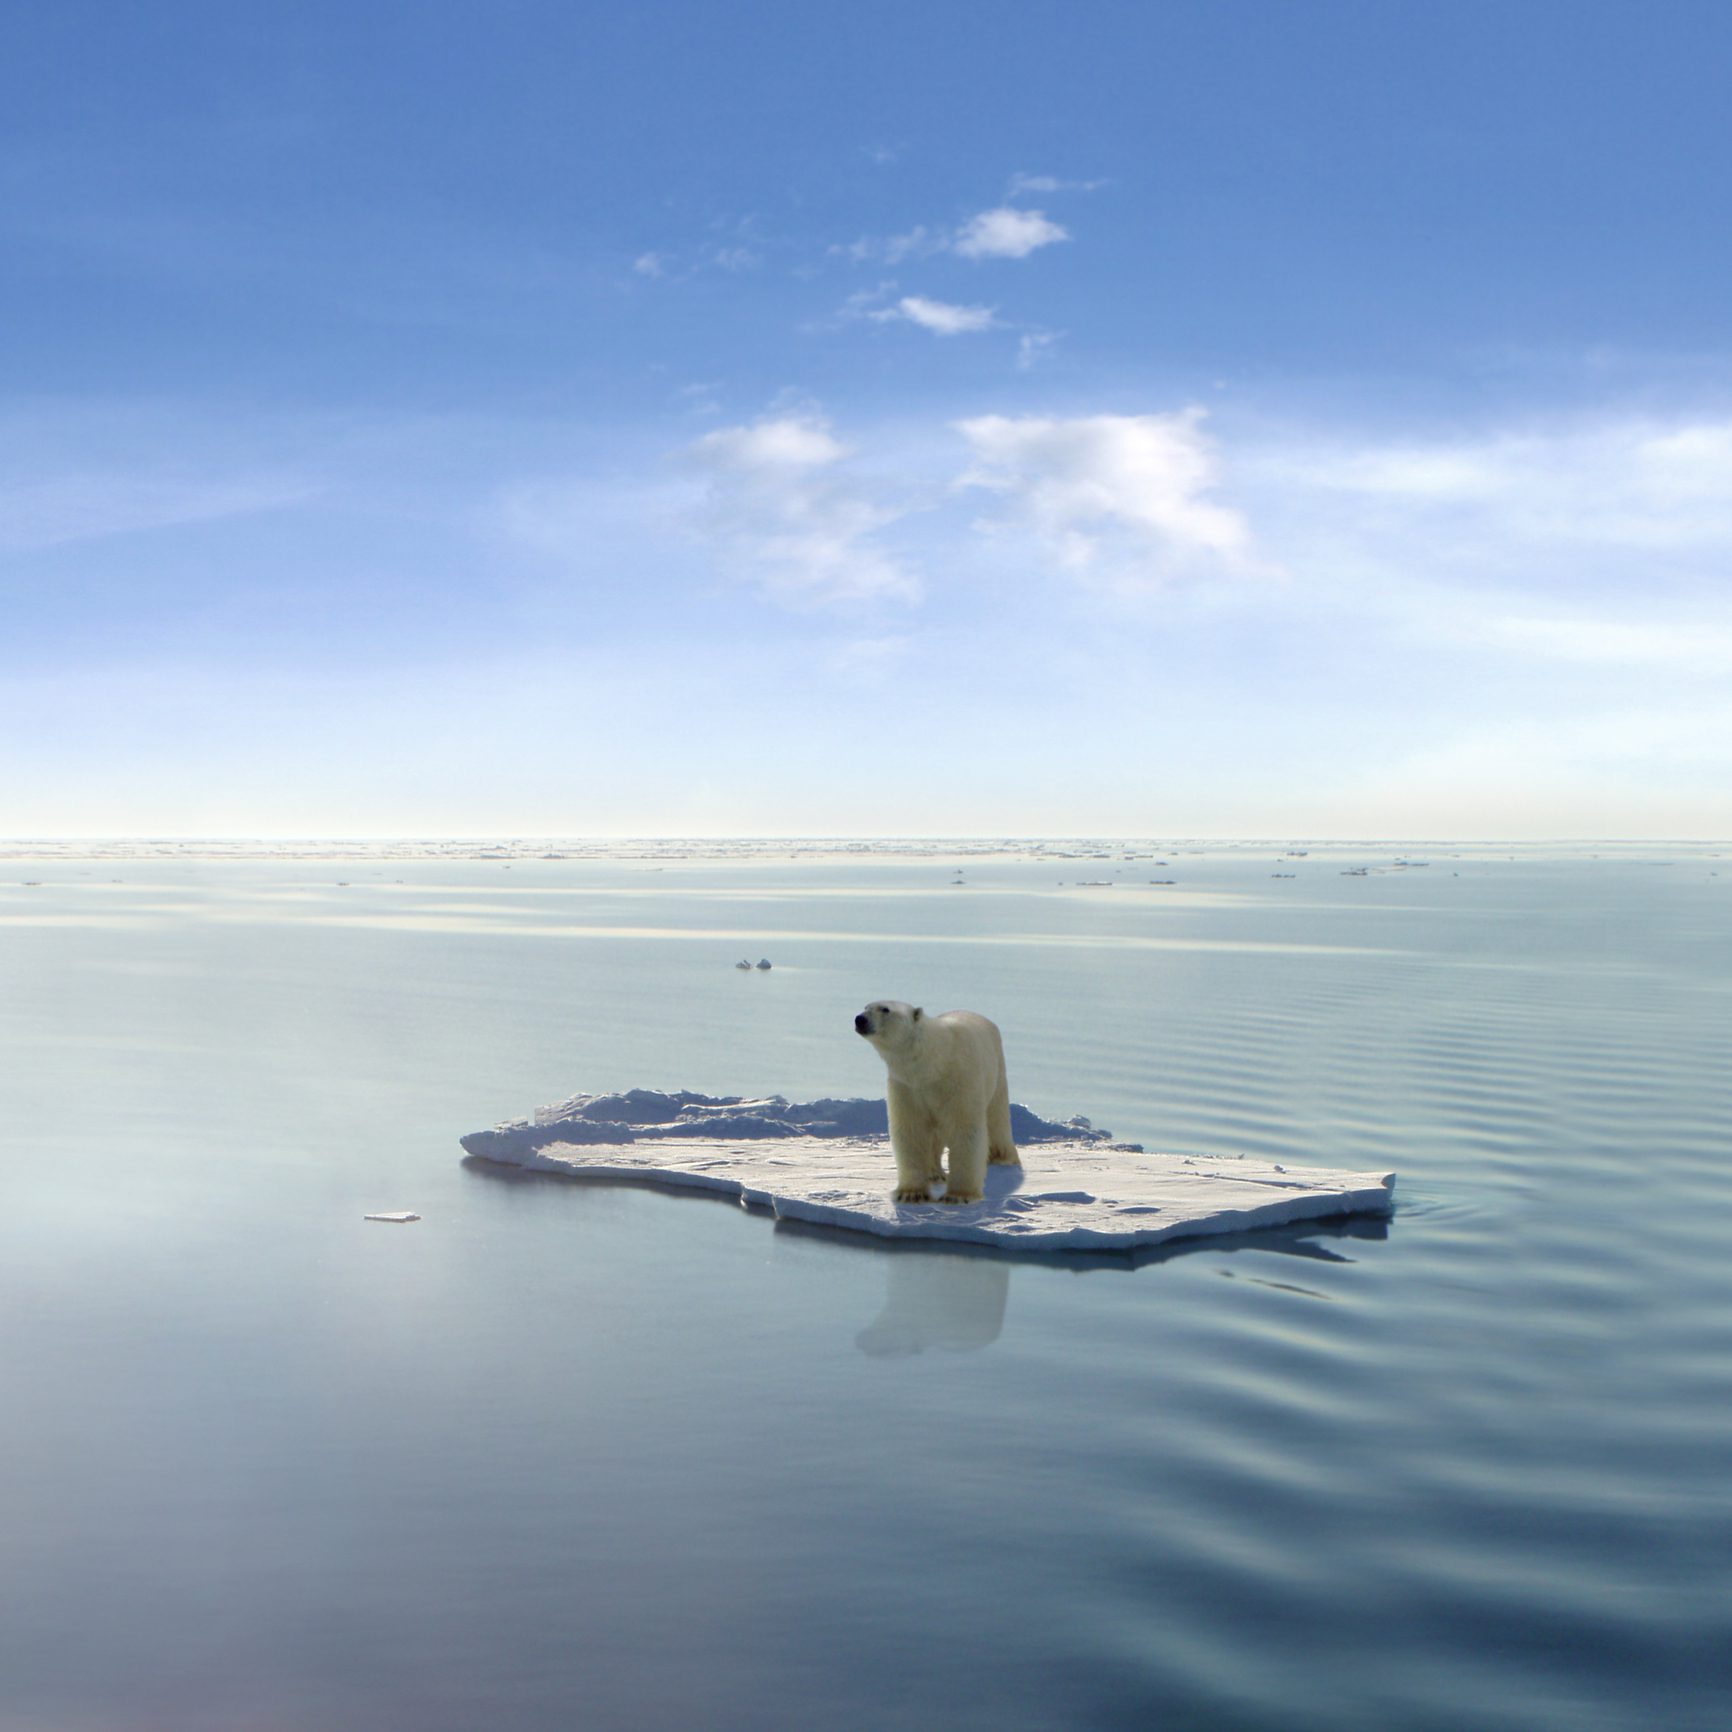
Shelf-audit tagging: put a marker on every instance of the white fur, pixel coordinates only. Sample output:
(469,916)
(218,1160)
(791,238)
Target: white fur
(947,1091)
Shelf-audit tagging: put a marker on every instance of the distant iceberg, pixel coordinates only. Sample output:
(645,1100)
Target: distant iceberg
(828,1162)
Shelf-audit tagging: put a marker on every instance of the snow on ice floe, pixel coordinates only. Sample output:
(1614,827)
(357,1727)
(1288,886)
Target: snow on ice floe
(828,1163)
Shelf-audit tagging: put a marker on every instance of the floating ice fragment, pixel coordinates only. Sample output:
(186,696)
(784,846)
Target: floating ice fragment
(399,1215)
(832,1166)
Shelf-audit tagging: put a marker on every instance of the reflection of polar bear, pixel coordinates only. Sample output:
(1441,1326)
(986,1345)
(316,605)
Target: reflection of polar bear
(953,1303)
(947,1091)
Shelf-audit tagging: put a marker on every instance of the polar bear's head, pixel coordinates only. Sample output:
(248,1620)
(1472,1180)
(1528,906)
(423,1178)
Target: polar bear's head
(889,1023)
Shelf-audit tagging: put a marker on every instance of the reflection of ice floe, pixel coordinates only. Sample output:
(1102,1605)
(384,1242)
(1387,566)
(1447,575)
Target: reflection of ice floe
(830,1166)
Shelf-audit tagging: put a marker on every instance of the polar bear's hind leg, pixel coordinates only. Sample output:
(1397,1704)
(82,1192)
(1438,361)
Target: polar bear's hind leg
(999,1140)
(966,1181)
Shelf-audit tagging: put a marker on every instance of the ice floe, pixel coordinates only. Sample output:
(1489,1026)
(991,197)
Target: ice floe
(828,1163)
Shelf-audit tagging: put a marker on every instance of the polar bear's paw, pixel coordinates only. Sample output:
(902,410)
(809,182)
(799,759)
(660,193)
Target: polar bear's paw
(912,1194)
(1010,1160)
(961,1197)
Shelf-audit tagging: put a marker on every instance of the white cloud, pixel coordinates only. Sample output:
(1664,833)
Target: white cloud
(942,318)
(783,512)
(1006,233)
(650,264)
(1120,498)
(784,446)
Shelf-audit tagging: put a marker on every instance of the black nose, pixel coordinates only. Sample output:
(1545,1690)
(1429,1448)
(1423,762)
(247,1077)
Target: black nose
(860,1023)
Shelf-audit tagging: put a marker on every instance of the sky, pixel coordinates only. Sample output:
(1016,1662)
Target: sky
(1156,419)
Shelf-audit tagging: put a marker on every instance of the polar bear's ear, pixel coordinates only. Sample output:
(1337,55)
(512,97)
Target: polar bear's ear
(918,1013)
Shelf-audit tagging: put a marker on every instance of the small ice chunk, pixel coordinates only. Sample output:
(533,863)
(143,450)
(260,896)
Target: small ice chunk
(397,1215)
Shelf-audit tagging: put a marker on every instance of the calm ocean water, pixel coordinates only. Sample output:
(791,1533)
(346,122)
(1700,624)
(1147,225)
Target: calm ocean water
(566,1455)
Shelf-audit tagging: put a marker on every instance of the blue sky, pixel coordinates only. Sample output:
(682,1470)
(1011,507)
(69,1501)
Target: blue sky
(1236,419)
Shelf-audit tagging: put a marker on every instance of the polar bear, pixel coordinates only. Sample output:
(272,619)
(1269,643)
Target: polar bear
(947,1090)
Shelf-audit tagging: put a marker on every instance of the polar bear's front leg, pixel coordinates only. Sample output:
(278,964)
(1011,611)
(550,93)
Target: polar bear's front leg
(966,1182)
(914,1143)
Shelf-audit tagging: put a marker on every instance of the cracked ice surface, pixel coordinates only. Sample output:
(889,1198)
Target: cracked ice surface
(1076,1190)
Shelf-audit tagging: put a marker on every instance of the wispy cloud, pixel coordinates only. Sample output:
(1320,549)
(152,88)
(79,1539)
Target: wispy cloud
(1701,647)
(1120,499)
(1049,183)
(52,510)
(917,242)
(1598,545)
(866,660)
(1591,551)
(784,513)
(701,397)
(1032,346)
(942,318)
(741,247)
(1631,483)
